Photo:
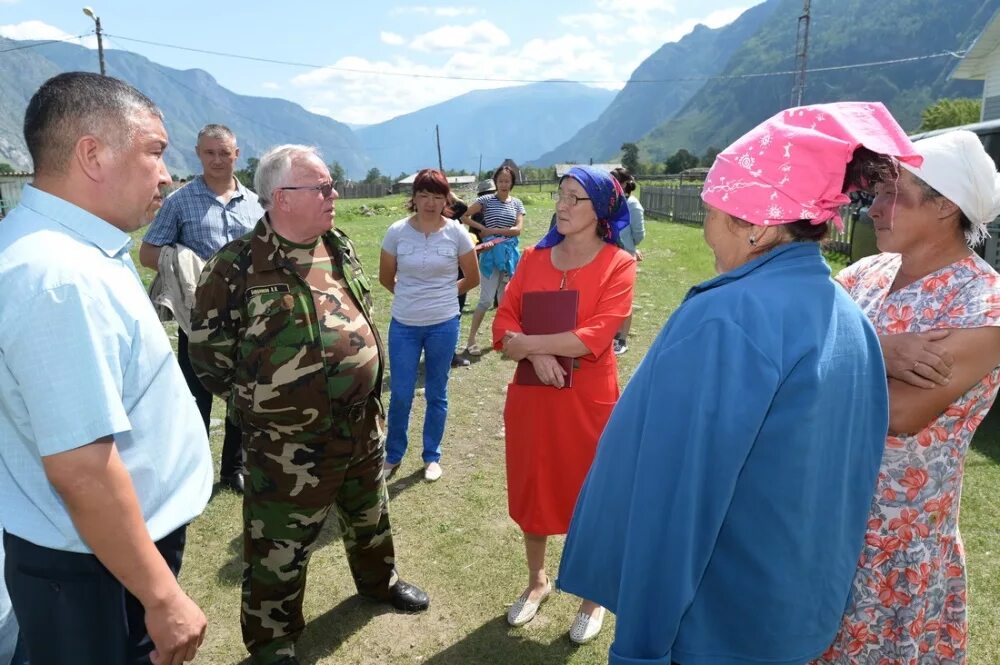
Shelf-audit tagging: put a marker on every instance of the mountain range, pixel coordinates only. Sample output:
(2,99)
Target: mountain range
(659,87)
(516,122)
(492,125)
(842,33)
(189,100)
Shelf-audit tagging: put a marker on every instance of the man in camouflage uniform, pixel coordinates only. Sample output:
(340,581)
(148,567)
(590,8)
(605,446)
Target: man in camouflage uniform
(282,326)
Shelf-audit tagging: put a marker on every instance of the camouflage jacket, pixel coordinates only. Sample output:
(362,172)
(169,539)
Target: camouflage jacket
(254,339)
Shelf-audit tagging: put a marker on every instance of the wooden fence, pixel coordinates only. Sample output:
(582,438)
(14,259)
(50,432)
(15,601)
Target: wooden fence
(681,204)
(362,190)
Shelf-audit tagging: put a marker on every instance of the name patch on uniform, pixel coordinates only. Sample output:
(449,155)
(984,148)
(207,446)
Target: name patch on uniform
(264,290)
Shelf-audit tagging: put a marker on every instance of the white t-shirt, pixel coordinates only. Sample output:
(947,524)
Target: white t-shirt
(426,271)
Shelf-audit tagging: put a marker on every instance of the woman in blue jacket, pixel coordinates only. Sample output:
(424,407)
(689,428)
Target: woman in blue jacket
(724,513)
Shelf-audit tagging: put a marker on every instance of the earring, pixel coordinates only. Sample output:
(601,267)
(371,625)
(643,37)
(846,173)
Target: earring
(752,240)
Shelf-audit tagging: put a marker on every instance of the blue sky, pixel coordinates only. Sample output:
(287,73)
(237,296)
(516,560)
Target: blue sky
(594,40)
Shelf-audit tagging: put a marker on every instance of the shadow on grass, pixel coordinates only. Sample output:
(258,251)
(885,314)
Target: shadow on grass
(987,438)
(325,633)
(493,643)
(396,486)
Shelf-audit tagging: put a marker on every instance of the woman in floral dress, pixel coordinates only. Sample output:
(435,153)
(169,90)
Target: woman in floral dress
(936,307)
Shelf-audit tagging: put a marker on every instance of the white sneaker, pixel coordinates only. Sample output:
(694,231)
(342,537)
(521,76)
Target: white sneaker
(432,472)
(586,627)
(524,610)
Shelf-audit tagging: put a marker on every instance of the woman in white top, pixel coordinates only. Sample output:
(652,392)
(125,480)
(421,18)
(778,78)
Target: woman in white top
(421,255)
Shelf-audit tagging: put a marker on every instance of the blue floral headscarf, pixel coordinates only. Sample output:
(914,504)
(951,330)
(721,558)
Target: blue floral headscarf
(607,198)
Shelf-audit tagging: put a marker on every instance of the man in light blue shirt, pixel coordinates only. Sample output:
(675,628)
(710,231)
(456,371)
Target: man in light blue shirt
(103,459)
(204,215)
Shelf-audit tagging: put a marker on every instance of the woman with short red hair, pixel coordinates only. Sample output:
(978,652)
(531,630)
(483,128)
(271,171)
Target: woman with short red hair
(421,255)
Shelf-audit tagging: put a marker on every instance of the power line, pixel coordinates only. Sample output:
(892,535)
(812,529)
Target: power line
(50,41)
(375,72)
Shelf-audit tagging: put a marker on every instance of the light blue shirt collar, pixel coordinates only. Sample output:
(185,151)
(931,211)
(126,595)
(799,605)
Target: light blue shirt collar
(108,238)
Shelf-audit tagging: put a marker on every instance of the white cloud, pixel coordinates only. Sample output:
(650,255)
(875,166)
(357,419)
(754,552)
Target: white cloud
(593,21)
(391,38)
(32,30)
(372,95)
(482,36)
(456,11)
(722,17)
(377,95)
(674,32)
(9,2)
(270,85)
(450,12)
(380,89)
(637,7)
(41,31)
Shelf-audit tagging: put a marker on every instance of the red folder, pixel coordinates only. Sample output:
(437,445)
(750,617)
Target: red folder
(546,313)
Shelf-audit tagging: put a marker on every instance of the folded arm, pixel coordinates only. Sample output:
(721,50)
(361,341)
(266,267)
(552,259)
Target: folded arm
(976,353)
(918,358)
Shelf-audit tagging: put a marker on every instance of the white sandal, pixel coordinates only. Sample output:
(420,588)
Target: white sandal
(586,626)
(524,610)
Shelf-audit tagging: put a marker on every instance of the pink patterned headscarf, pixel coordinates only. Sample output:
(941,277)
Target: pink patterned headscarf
(792,166)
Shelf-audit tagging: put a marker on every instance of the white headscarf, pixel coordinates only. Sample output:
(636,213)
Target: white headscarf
(957,166)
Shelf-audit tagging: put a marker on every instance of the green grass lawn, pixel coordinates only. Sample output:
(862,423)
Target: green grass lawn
(454,537)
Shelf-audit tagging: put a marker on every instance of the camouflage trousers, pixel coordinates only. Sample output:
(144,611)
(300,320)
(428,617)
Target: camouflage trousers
(292,484)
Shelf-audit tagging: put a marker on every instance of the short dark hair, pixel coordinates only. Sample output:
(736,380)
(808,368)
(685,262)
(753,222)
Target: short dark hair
(430,180)
(865,170)
(75,104)
(503,168)
(216,131)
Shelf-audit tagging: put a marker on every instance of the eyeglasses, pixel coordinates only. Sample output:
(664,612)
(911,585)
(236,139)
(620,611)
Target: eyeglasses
(570,199)
(325,189)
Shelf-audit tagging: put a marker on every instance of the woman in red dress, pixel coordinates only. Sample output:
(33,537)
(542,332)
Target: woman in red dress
(552,429)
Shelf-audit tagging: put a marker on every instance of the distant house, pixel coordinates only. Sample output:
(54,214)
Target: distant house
(10,190)
(454,181)
(562,168)
(982,63)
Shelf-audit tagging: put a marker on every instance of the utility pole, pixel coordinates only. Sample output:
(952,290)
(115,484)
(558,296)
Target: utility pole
(480,166)
(437,133)
(801,54)
(100,42)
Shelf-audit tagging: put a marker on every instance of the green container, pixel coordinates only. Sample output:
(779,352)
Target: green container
(863,236)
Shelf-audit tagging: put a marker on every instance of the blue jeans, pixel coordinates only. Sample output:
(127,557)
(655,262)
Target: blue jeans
(437,342)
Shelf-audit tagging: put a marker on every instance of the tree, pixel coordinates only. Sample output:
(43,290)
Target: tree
(680,161)
(337,173)
(246,174)
(709,157)
(5,168)
(630,157)
(950,113)
(374,175)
